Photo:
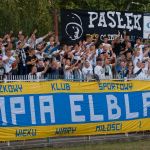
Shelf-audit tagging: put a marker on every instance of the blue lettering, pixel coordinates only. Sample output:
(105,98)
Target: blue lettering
(67,86)
(20,88)
(53,86)
(61,86)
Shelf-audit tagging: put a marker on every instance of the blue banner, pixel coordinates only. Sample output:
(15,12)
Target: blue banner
(61,108)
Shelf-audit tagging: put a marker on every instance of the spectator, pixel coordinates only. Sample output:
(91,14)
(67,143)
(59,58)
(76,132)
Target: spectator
(138,56)
(78,72)
(22,66)
(55,69)
(108,69)
(117,46)
(130,67)
(122,69)
(99,69)
(34,72)
(2,69)
(8,60)
(33,41)
(51,60)
(87,71)
(68,69)
(14,70)
(142,70)
(31,60)
(139,45)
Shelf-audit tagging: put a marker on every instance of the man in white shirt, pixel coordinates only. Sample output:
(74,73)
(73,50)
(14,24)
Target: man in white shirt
(141,70)
(92,56)
(87,71)
(68,70)
(139,45)
(99,50)
(8,60)
(33,41)
(99,69)
(138,56)
(108,69)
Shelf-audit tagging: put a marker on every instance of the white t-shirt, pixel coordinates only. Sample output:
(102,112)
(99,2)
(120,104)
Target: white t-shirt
(8,65)
(100,71)
(140,47)
(136,69)
(34,43)
(39,55)
(143,74)
(93,60)
(87,72)
(3,51)
(88,45)
(68,73)
(108,71)
(135,59)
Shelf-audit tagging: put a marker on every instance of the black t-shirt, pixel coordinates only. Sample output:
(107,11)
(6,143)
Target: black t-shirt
(29,59)
(117,48)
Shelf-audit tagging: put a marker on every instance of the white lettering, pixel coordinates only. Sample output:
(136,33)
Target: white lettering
(32,108)
(102,21)
(119,21)
(76,108)
(136,22)
(47,109)
(92,114)
(93,17)
(3,111)
(129,21)
(112,105)
(17,108)
(129,115)
(146,103)
(109,15)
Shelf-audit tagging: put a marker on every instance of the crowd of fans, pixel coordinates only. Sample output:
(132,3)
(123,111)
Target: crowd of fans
(89,59)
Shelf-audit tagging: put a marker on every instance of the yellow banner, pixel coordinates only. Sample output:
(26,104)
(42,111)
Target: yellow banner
(60,86)
(24,133)
(30,110)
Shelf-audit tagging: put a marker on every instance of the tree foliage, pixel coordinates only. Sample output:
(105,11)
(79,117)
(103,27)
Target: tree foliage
(27,15)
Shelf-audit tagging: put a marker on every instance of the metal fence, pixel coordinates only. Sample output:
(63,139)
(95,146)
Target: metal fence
(68,142)
(49,77)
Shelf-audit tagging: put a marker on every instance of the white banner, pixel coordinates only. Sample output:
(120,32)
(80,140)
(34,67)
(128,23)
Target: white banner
(146,25)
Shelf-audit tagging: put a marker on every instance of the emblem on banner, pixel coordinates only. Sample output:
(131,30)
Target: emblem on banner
(74,28)
(148,25)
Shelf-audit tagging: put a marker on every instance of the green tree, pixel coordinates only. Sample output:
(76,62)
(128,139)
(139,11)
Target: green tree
(27,15)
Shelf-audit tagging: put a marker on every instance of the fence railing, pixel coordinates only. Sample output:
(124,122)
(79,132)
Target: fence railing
(48,77)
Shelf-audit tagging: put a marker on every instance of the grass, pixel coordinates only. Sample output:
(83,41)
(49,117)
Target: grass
(138,145)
